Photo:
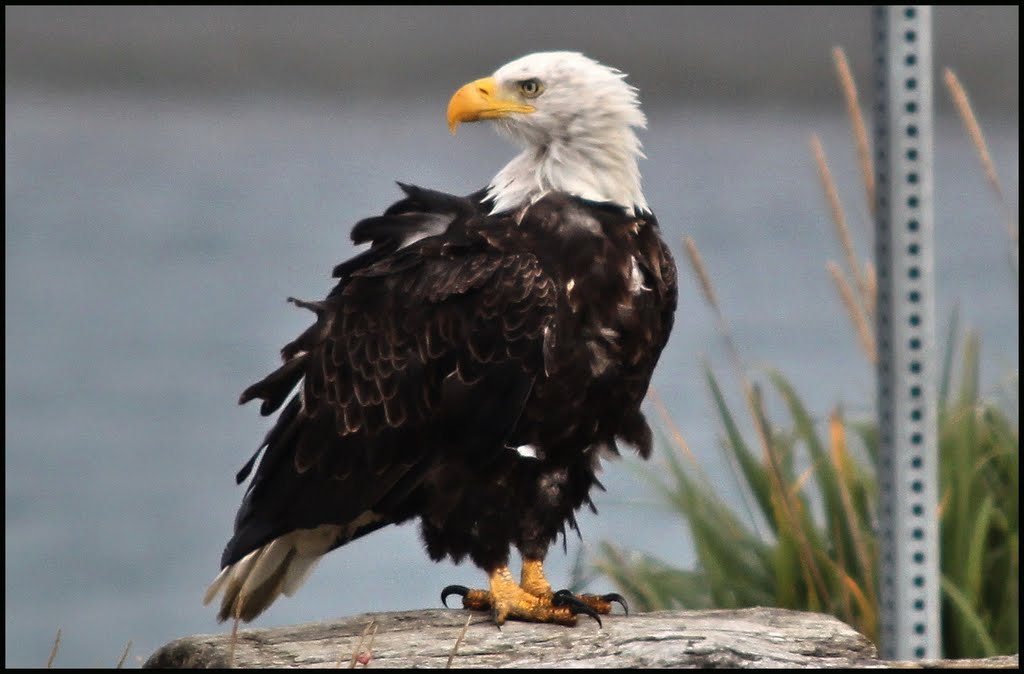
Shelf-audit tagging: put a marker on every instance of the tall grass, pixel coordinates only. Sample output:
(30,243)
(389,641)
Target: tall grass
(809,539)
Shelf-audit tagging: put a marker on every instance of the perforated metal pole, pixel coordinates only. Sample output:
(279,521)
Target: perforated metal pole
(907,363)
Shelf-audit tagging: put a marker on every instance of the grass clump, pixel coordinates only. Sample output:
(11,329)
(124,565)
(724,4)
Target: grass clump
(809,537)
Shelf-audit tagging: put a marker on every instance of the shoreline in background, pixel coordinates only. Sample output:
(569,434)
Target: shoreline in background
(717,55)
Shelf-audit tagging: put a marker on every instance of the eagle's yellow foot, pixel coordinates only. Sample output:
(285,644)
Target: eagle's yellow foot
(532,599)
(507,600)
(534,582)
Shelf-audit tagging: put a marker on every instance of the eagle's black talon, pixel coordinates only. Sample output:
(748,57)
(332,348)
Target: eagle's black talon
(617,598)
(568,600)
(460,590)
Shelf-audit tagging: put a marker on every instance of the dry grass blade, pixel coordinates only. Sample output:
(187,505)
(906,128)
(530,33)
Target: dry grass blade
(53,651)
(838,216)
(963,107)
(860,322)
(670,424)
(871,281)
(369,646)
(870,620)
(860,133)
(784,497)
(845,594)
(841,461)
(124,656)
(704,279)
(458,642)
(801,481)
(697,262)
(359,647)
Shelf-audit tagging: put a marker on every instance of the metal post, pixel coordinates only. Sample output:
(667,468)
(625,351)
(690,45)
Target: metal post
(907,363)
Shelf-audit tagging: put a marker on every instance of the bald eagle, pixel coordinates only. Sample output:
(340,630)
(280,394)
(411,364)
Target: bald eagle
(473,365)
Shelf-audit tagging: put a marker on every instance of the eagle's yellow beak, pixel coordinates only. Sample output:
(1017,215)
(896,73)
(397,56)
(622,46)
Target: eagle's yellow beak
(482,99)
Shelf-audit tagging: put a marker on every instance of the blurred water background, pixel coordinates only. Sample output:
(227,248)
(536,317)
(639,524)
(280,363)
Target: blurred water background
(173,174)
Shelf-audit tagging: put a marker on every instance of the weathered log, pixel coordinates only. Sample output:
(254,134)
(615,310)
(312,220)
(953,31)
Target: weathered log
(755,637)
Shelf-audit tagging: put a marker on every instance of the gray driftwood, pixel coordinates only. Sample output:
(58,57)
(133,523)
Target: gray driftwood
(756,637)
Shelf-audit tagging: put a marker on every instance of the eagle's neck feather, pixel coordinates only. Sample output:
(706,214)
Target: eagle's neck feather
(602,167)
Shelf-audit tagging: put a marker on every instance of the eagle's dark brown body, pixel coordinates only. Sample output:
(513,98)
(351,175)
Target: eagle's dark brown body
(430,363)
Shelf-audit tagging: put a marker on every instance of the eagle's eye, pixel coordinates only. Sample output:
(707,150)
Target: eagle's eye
(531,88)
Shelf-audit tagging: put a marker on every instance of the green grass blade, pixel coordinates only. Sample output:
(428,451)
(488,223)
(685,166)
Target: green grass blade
(974,568)
(752,469)
(947,359)
(975,632)
(824,470)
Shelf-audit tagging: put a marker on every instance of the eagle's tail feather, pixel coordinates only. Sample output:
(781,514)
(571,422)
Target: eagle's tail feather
(251,584)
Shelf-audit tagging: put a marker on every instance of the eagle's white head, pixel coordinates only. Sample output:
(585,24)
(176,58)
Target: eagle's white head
(575,119)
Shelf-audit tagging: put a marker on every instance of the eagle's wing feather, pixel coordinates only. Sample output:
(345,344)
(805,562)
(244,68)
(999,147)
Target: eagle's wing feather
(421,352)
